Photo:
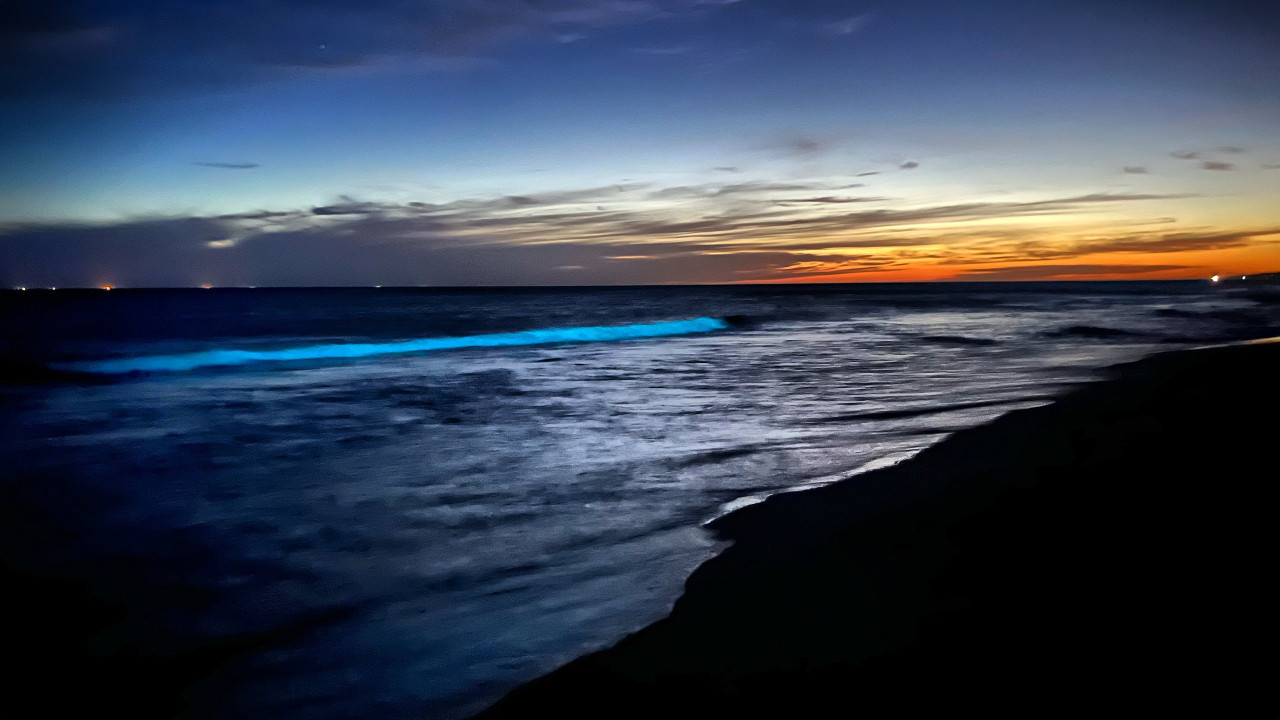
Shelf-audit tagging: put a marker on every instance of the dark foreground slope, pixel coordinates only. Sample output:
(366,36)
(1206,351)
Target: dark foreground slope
(1109,554)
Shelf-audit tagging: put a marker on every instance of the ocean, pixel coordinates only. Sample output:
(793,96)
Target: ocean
(413,499)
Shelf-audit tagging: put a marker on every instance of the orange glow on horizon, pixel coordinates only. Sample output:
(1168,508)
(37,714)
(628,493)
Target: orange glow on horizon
(1255,258)
(954,273)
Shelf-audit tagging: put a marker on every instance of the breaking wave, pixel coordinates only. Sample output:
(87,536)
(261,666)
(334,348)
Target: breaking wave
(224,358)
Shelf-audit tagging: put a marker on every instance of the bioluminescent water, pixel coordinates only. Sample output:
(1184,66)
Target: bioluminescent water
(414,534)
(351,351)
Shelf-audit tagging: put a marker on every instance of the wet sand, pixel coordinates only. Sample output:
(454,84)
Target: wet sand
(1110,553)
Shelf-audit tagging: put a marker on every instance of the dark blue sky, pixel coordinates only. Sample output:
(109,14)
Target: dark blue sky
(613,141)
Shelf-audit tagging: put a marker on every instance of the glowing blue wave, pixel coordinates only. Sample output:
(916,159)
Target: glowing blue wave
(222,358)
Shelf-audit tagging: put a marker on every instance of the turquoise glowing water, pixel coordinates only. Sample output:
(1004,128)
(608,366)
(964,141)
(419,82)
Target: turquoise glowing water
(351,351)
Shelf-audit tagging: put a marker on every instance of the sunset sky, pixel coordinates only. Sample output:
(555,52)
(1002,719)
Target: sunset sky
(565,142)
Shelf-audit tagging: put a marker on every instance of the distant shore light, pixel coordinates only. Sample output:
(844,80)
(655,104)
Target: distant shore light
(1214,278)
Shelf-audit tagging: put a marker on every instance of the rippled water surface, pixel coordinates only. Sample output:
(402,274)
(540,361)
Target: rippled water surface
(436,526)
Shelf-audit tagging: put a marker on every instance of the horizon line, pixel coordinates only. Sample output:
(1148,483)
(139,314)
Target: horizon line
(938,281)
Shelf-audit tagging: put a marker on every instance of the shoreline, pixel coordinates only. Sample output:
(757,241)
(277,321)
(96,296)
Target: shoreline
(1107,550)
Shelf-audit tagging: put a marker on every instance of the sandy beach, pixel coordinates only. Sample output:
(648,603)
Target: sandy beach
(1106,553)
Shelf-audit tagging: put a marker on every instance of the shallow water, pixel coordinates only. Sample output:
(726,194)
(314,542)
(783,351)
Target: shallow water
(440,526)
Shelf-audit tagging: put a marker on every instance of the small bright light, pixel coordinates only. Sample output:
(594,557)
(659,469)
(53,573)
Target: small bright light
(208,287)
(106,287)
(1242,277)
(1214,278)
(22,288)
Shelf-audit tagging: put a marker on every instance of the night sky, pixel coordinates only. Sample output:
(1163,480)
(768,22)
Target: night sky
(565,142)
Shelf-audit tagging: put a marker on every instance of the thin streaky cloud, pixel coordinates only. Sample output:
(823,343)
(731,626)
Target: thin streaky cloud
(850,25)
(800,144)
(228,165)
(1050,272)
(663,51)
(831,199)
(1202,154)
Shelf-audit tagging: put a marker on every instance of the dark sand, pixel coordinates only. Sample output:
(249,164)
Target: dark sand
(1109,554)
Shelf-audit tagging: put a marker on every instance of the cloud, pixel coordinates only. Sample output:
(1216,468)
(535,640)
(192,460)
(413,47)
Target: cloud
(833,200)
(1201,154)
(716,190)
(1062,272)
(179,253)
(1271,166)
(562,197)
(1135,170)
(1216,165)
(229,165)
(1172,242)
(1033,249)
(849,25)
(803,145)
(663,51)
(348,207)
(81,49)
(909,165)
(737,232)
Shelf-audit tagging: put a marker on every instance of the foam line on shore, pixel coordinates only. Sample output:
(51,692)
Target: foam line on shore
(811,484)
(224,358)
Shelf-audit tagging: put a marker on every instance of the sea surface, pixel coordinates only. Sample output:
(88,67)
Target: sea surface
(425,497)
